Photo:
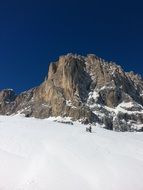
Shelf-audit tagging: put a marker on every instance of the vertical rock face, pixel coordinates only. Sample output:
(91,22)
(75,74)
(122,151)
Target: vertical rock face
(66,90)
(7,95)
(88,89)
(7,98)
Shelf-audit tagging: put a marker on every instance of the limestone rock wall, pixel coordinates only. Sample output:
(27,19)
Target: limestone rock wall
(88,89)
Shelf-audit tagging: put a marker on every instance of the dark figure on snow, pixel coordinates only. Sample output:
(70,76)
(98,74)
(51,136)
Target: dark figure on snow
(89,129)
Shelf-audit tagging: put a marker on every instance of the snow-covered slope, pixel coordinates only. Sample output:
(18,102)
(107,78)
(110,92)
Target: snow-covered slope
(45,155)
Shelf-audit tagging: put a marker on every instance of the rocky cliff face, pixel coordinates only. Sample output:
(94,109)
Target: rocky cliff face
(87,89)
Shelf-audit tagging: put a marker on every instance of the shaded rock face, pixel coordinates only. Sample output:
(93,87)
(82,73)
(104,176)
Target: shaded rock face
(87,89)
(7,98)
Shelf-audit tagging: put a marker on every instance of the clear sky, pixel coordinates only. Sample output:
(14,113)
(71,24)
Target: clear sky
(34,33)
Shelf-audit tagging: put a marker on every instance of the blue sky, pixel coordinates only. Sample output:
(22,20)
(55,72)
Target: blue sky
(35,33)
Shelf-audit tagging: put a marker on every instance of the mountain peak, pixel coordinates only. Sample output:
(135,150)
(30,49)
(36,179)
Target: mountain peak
(85,88)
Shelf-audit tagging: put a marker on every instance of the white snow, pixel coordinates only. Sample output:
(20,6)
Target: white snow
(69,103)
(95,95)
(127,104)
(92,96)
(44,155)
(122,107)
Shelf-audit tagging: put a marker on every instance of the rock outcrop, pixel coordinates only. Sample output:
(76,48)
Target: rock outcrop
(87,89)
(7,98)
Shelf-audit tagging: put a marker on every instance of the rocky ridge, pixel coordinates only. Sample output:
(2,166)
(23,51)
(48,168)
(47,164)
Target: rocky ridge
(87,89)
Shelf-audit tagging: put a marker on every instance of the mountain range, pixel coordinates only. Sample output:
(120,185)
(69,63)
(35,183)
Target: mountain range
(83,88)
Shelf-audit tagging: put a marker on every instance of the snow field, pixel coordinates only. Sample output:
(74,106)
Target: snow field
(45,155)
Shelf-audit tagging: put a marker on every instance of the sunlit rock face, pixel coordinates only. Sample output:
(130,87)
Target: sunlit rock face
(84,88)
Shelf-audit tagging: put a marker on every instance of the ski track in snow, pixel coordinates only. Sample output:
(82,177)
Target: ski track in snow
(45,155)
